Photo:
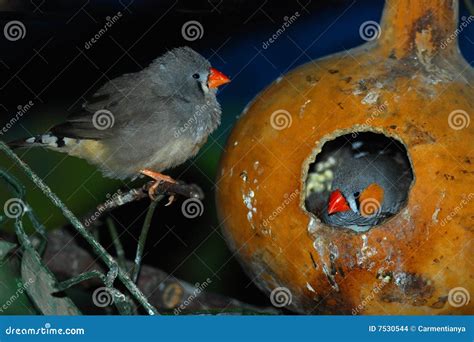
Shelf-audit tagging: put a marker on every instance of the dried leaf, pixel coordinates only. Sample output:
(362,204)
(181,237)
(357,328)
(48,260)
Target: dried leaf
(43,285)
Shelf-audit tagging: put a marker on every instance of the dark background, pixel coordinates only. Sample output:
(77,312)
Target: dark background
(52,68)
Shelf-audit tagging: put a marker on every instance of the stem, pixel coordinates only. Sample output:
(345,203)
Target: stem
(413,26)
(79,279)
(143,236)
(20,192)
(116,241)
(101,252)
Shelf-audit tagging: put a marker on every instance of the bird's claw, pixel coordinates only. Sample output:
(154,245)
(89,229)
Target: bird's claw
(152,191)
(158,177)
(170,200)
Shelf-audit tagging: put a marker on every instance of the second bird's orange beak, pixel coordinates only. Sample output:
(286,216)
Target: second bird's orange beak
(216,78)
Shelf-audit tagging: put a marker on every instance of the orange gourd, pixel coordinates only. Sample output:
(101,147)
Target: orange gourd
(411,84)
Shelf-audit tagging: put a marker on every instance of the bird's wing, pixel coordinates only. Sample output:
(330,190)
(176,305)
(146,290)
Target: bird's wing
(81,126)
(104,112)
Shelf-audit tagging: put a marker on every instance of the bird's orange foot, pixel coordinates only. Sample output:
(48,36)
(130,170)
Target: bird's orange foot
(158,177)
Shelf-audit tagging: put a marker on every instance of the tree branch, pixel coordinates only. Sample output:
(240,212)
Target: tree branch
(162,290)
(136,194)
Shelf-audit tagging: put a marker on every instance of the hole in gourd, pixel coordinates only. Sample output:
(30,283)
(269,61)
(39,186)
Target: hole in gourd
(358,180)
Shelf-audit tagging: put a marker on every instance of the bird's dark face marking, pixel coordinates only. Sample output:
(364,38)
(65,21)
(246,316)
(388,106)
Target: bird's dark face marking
(210,79)
(199,81)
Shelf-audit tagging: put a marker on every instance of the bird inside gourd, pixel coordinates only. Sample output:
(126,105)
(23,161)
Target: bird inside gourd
(358,181)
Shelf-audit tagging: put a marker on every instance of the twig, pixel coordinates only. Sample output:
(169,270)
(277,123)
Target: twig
(142,238)
(136,194)
(97,247)
(20,192)
(116,241)
(79,279)
(165,188)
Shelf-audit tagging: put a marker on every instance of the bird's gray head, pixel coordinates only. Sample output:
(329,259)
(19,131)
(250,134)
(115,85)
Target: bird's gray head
(185,72)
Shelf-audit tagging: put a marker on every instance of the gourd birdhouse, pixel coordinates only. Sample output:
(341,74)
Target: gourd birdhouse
(347,183)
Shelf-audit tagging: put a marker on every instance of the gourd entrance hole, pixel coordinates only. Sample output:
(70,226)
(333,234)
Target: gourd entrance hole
(358,180)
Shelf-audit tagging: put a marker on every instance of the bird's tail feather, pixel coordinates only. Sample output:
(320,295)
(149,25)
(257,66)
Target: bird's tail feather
(47,140)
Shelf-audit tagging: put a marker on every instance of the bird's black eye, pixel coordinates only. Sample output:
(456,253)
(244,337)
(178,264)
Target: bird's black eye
(196,76)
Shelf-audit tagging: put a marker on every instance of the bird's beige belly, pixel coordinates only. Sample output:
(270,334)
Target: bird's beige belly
(174,153)
(96,153)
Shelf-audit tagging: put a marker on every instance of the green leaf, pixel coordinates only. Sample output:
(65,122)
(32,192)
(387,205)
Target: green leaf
(5,248)
(42,285)
(13,297)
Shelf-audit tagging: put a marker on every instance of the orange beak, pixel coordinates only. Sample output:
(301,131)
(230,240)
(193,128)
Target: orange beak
(337,202)
(216,78)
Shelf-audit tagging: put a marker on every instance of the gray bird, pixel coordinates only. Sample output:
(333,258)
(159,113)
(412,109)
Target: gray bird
(368,183)
(143,122)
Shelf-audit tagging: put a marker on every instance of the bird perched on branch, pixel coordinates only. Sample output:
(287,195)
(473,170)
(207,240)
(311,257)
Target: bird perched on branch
(143,122)
(360,185)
